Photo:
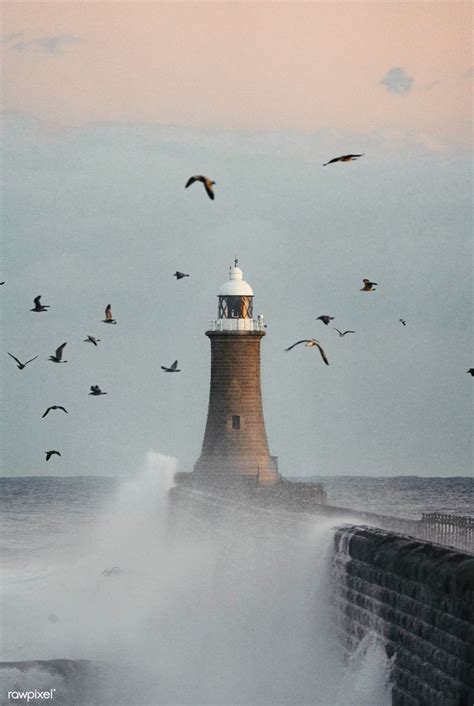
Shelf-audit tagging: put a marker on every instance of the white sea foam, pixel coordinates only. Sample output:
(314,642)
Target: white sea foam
(234,617)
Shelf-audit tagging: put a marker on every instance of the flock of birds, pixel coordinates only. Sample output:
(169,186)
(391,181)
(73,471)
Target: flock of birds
(368,286)
(57,357)
(95,390)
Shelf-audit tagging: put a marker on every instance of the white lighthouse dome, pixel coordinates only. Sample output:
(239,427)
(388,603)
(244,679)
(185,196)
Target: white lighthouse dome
(235,286)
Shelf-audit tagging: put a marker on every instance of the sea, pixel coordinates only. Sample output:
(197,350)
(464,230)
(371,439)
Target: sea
(89,573)
(400,496)
(36,511)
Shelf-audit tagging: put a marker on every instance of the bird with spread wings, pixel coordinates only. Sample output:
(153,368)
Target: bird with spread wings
(58,356)
(208,184)
(38,305)
(310,342)
(344,158)
(109,319)
(20,365)
(54,406)
(172,369)
(342,333)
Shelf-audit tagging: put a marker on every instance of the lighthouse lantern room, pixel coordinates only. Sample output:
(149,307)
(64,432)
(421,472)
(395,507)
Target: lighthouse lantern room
(235,307)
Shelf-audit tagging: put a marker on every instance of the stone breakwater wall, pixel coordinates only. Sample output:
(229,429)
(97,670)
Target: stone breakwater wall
(418,597)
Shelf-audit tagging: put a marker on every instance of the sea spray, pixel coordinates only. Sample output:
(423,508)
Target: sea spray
(366,676)
(236,616)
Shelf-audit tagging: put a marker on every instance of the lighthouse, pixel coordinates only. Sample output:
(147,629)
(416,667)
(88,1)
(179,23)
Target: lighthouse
(235,445)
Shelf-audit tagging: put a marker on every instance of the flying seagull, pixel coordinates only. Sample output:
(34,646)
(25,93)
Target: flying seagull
(54,406)
(108,315)
(113,571)
(342,333)
(471,370)
(91,339)
(310,342)
(172,369)
(344,158)
(208,184)
(20,366)
(368,286)
(180,275)
(51,453)
(402,321)
(325,318)
(95,390)
(57,357)
(38,305)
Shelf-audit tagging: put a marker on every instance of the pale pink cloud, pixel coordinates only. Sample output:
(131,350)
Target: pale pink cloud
(246,66)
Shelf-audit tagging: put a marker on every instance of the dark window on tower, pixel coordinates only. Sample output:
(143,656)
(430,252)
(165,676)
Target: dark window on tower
(235,422)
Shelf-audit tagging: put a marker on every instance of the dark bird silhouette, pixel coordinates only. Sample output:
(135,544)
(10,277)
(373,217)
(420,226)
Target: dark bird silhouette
(368,286)
(471,371)
(51,453)
(91,339)
(402,321)
(58,356)
(208,184)
(325,318)
(53,618)
(54,406)
(344,158)
(108,315)
(38,305)
(180,275)
(1,283)
(113,571)
(95,390)
(172,369)
(310,342)
(20,366)
(342,333)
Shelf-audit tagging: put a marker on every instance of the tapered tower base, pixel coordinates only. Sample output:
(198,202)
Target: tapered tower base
(235,440)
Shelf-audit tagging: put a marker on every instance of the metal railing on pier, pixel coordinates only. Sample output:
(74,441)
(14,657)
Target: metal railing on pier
(451,530)
(455,530)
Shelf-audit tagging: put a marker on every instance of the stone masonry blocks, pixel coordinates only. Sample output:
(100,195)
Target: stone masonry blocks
(235,399)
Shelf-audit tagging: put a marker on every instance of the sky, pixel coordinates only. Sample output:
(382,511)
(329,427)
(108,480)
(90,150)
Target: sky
(108,108)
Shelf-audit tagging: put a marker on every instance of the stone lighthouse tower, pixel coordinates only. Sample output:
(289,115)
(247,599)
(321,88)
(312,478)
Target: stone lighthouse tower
(235,441)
